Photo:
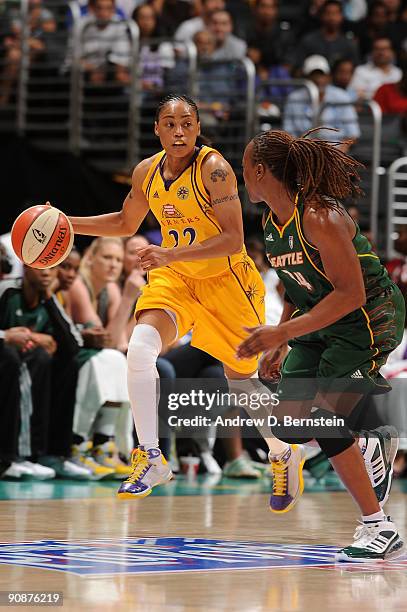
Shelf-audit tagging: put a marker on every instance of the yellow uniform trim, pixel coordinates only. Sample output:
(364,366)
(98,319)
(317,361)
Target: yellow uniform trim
(297,223)
(372,346)
(151,171)
(368,255)
(281,229)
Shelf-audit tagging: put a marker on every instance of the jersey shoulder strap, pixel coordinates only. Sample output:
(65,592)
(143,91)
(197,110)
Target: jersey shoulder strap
(151,172)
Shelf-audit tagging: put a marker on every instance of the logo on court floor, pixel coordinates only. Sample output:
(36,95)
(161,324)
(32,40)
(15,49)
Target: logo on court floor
(109,557)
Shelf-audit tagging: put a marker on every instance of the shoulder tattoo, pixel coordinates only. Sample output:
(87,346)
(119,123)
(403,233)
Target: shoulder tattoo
(220,174)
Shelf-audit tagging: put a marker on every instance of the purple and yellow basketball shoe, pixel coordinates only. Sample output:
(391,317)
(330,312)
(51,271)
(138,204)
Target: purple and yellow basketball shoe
(288,482)
(149,469)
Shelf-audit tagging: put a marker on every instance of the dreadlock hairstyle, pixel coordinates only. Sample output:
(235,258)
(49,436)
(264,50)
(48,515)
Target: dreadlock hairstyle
(201,140)
(316,168)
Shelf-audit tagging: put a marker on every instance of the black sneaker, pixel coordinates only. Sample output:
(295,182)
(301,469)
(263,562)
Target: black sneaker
(375,541)
(379,448)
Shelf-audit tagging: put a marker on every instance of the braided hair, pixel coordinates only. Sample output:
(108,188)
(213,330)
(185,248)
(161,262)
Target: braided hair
(316,168)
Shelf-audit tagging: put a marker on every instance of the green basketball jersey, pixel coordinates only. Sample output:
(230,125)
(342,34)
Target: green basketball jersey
(299,265)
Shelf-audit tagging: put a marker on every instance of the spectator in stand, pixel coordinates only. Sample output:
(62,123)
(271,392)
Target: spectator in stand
(353,10)
(342,73)
(123,8)
(376,25)
(392,97)
(329,40)
(105,47)
(394,7)
(41,44)
(171,13)
(241,12)
(398,28)
(340,114)
(227,46)
(97,304)
(154,58)
(214,99)
(269,44)
(369,77)
(38,348)
(187,30)
(310,21)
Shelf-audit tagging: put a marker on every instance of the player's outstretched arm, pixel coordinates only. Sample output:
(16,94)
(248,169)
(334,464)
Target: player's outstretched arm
(125,222)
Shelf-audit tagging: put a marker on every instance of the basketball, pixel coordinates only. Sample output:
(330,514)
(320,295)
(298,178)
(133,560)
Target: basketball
(42,236)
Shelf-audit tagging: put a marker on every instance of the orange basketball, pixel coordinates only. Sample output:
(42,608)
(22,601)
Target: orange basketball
(42,236)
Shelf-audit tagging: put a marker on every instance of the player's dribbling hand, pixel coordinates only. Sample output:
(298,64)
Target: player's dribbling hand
(153,256)
(262,338)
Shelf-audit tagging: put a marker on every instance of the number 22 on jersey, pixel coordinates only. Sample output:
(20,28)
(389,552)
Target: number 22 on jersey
(186,232)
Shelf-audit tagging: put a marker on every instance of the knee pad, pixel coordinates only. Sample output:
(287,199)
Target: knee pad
(335,446)
(144,347)
(289,435)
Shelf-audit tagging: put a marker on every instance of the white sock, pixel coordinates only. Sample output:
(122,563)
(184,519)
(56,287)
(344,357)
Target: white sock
(276,446)
(144,347)
(376,517)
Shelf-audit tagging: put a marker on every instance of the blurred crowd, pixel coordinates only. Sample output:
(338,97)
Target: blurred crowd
(351,50)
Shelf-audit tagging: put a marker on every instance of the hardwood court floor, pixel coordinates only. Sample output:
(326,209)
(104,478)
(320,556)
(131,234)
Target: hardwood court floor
(97,523)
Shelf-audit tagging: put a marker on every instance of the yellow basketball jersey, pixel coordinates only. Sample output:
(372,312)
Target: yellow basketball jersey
(183,208)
